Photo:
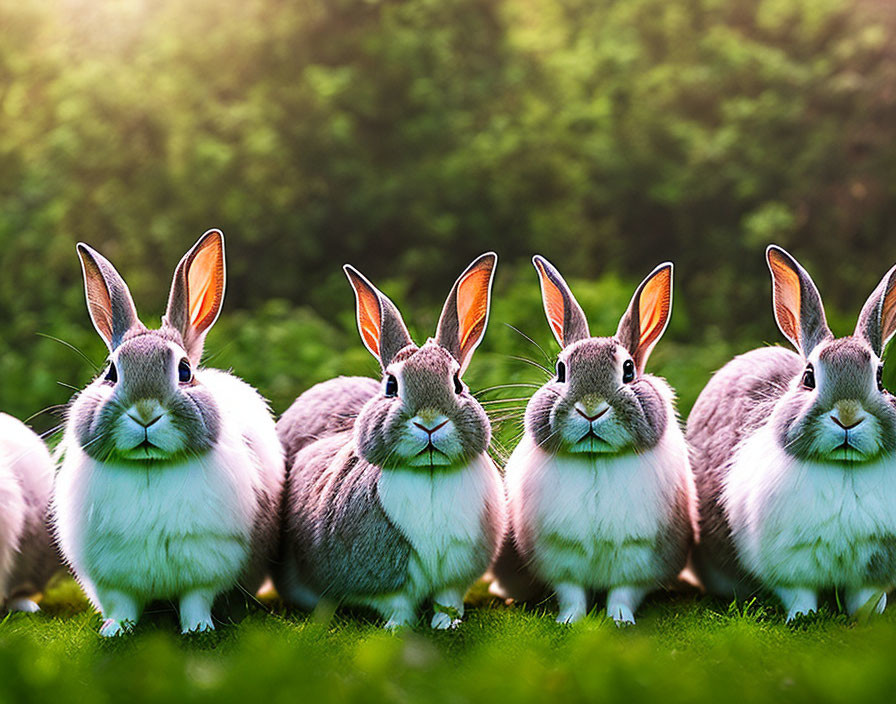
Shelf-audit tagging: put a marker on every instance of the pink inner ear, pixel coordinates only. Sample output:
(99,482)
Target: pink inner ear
(653,307)
(205,284)
(554,305)
(472,306)
(369,318)
(787,297)
(888,314)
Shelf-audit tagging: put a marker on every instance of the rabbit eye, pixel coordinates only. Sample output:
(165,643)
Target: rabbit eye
(458,386)
(809,377)
(184,372)
(880,378)
(561,372)
(628,371)
(391,386)
(111,374)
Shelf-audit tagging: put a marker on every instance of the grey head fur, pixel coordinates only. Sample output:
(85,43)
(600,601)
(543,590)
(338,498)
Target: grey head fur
(422,386)
(145,375)
(597,374)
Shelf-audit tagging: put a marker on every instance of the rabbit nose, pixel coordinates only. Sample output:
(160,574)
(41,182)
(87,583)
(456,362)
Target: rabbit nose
(145,413)
(847,414)
(433,426)
(591,412)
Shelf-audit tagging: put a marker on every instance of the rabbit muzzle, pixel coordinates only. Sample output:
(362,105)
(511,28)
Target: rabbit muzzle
(145,432)
(430,439)
(591,427)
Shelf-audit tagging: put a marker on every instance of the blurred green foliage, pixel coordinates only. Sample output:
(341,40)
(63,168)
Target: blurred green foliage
(408,136)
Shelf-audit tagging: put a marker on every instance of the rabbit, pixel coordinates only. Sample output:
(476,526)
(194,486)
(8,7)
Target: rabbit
(793,457)
(391,498)
(172,473)
(28,557)
(600,489)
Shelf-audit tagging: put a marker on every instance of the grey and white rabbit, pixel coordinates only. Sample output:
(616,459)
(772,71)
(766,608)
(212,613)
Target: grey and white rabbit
(172,473)
(793,456)
(28,557)
(600,489)
(391,497)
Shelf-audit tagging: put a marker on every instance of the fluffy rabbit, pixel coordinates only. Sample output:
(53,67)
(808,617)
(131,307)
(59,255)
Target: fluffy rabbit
(600,489)
(392,498)
(172,473)
(793,456)
(27,555)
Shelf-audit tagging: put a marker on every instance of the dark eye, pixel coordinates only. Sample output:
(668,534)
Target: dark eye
(628,371)
(880,378)
(561,372)
(809,377)
(184,371)
(458,386)
(111,374)
(391,386)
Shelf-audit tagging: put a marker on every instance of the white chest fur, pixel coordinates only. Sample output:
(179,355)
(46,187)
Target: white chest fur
(799,523)
(595,520)
(155,533)
(441,514)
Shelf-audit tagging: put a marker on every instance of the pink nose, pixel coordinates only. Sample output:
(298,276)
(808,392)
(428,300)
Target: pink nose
(431,430)
(846,427)
(591,419)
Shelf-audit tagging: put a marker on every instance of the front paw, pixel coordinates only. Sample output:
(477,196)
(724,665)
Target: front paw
(202,625)
(24,605)
(444,621)
(112,628)
(622,615)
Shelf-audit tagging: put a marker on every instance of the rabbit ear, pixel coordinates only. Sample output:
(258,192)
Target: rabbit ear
(108,298)
(465,315)
(197,292)
(647,315)
(877,321)
(563,312)
(797,303)
(379,322)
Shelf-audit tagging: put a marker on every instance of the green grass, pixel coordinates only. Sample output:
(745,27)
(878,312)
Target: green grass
(684,648)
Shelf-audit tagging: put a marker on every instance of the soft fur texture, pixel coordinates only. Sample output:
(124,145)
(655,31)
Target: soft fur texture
(172,475)
(600,487)
(392,499)
(27,555)
(794,458)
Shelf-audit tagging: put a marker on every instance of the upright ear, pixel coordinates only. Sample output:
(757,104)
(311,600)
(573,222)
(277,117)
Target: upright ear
(563,312)
(465,315)
(108,298)
(797,303)
(197,292)
(877,321)
(379,322)
(648,315)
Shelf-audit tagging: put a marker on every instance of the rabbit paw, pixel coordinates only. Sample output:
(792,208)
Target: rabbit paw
(112,628)
(572,601)
(444,621)
(24,605)
(622,615)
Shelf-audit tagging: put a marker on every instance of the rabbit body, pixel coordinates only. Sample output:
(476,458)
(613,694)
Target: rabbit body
(172,474)
(27,555)
(160,532)
(391,498)
(603,521)
(600,489)
(794,458)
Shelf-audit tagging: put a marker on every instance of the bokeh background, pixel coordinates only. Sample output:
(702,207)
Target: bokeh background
(406,137)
